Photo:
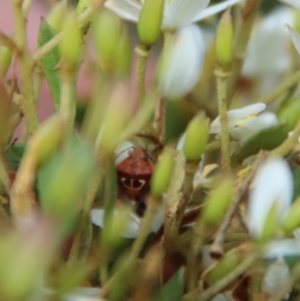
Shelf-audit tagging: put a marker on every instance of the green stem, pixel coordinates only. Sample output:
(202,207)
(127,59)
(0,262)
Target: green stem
(221,284)
(142,57)
(26,68)
(287,146)
(153,205)
(248,17)
(67,100)
(216,249)
(222,77)
(286,85)
(212,146)
(83,235)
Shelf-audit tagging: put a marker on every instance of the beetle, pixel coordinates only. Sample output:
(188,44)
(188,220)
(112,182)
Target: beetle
(134,175)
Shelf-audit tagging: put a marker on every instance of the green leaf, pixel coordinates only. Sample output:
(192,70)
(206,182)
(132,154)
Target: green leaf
(173,289)
(296,176)
(14,155)
(266,139)
(50,62)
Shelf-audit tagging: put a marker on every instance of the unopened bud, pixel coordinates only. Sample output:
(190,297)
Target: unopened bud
(196,138)
(82,5)
(61,186)
(71,39)
(292,222)
(112,42)
(297,20)
(162,174)
(5,60)
(224,40)
(224,267)
(57,14)
(270,225)
(217,203)
(150,21)
(48,138)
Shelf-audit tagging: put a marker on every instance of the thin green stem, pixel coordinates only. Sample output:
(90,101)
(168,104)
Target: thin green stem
(152,206)
(287,146)
(142,57)
(222,77)
(26,68)
(68,101)
(286,85)
(248,15)
(212,146)
(83,235)
(46,48)
(221,284)
(216,249)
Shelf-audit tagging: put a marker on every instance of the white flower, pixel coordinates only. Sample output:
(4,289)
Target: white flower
(78,294)
(177,13)
(132,223)
(272,186)
(276,276)
(122,151)
(245,122)
(185,56)
(182,61)
(268,49)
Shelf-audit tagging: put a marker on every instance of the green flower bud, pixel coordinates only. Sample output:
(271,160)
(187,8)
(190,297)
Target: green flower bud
(223,267)
(111,233)
(63,182)
(270,225)
(57,15)
(293,219)
(224,40)
(150,21)
(49,138)
(112,43)
(196,138)
(5,60)
(82,5)
(297,20)
(162,174)
(289,113)
(71,39)
(114,124)
(217,203)
(123,56)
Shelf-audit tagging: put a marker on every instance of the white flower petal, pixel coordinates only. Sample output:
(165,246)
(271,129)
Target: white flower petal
(178,13)
(181,69)
(181,142)
(282,248)
(276,275)
(214,9)
(236,115)
(253,126)
(268,49)
(132,227)
(133,222)
(83,294)
(293,3)
(272,185)
(158,219)
(125,9)
(295,38)
(123,151)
